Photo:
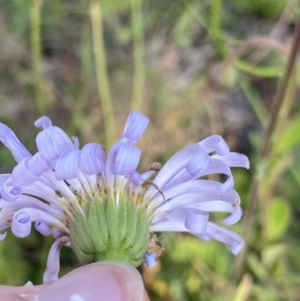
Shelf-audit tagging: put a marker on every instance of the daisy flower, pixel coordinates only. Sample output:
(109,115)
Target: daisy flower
(97,203)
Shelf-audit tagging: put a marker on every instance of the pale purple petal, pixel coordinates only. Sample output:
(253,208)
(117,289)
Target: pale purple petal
(127,160)
(168,226)
(136,178)
(148,174)
(215,143)
(226,236)
(53,265)
(219,167)
(196,220)
(234,160)
(21,224)
(21,174)
(10,140)
(198,164)
(202,186)
(43,228)
(44,122)
(179,161)
(92,159)
(75,141)
(234,217)
(53,142)
(37,165)
(67,165)
(135,126)
(9,192)
(39,215)
(26,201)
(150,259)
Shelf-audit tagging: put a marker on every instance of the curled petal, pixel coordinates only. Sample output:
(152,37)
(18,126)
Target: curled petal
(168,226)
(196,221)
(76,142)
(52,142)
(148,174)
(150,259)
(67,165)
(38,215)
(37,165)
(226,236)
(234,160)
(215,143)
(10,140)
(198,164)
(92,159)
(234,217)
(21,224)
(43,228)
(135,126)
(51,273)
(44,122)
(127,160)
(179,161)
(137,178)
(22,175)
(10,194)
(219,167)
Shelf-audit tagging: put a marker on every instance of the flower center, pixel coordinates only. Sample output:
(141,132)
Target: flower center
(110,230)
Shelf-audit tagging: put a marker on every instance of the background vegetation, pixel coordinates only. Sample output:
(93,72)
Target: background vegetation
(195,68)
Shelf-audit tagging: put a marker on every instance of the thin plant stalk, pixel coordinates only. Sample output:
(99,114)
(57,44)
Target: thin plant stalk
(85,70)
(101,72)
(36,56)
(215,22)
(266,148)
(139,66)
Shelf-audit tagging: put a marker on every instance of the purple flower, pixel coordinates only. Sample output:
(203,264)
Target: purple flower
(101,206)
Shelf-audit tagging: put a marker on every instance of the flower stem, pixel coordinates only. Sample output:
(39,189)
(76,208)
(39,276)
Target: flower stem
(266,149)
(139,67)
(101,71)
(36,54)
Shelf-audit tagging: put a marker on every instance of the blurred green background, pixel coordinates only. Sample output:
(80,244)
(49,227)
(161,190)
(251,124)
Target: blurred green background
(195,68)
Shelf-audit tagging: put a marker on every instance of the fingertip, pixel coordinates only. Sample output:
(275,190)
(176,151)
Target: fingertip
(108,280)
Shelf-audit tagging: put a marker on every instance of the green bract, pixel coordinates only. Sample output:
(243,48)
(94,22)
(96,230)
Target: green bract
(107,230)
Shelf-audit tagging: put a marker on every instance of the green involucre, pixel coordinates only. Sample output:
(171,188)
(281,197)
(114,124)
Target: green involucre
(108,231)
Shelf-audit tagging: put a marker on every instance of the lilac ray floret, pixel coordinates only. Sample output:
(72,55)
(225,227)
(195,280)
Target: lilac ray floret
(10,140)
(22,175)
(127,160)
(92,159)
(21,224)
(234,160)
(150,259)
(67,165)
(196,220)
(43,228)
(135,126)
(215,143)
(37,165)
(51,273)
(179,161)
(10,192)
(53,142)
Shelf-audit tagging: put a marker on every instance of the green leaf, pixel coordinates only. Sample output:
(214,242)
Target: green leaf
(278,218)
(257,267)
(273,253)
